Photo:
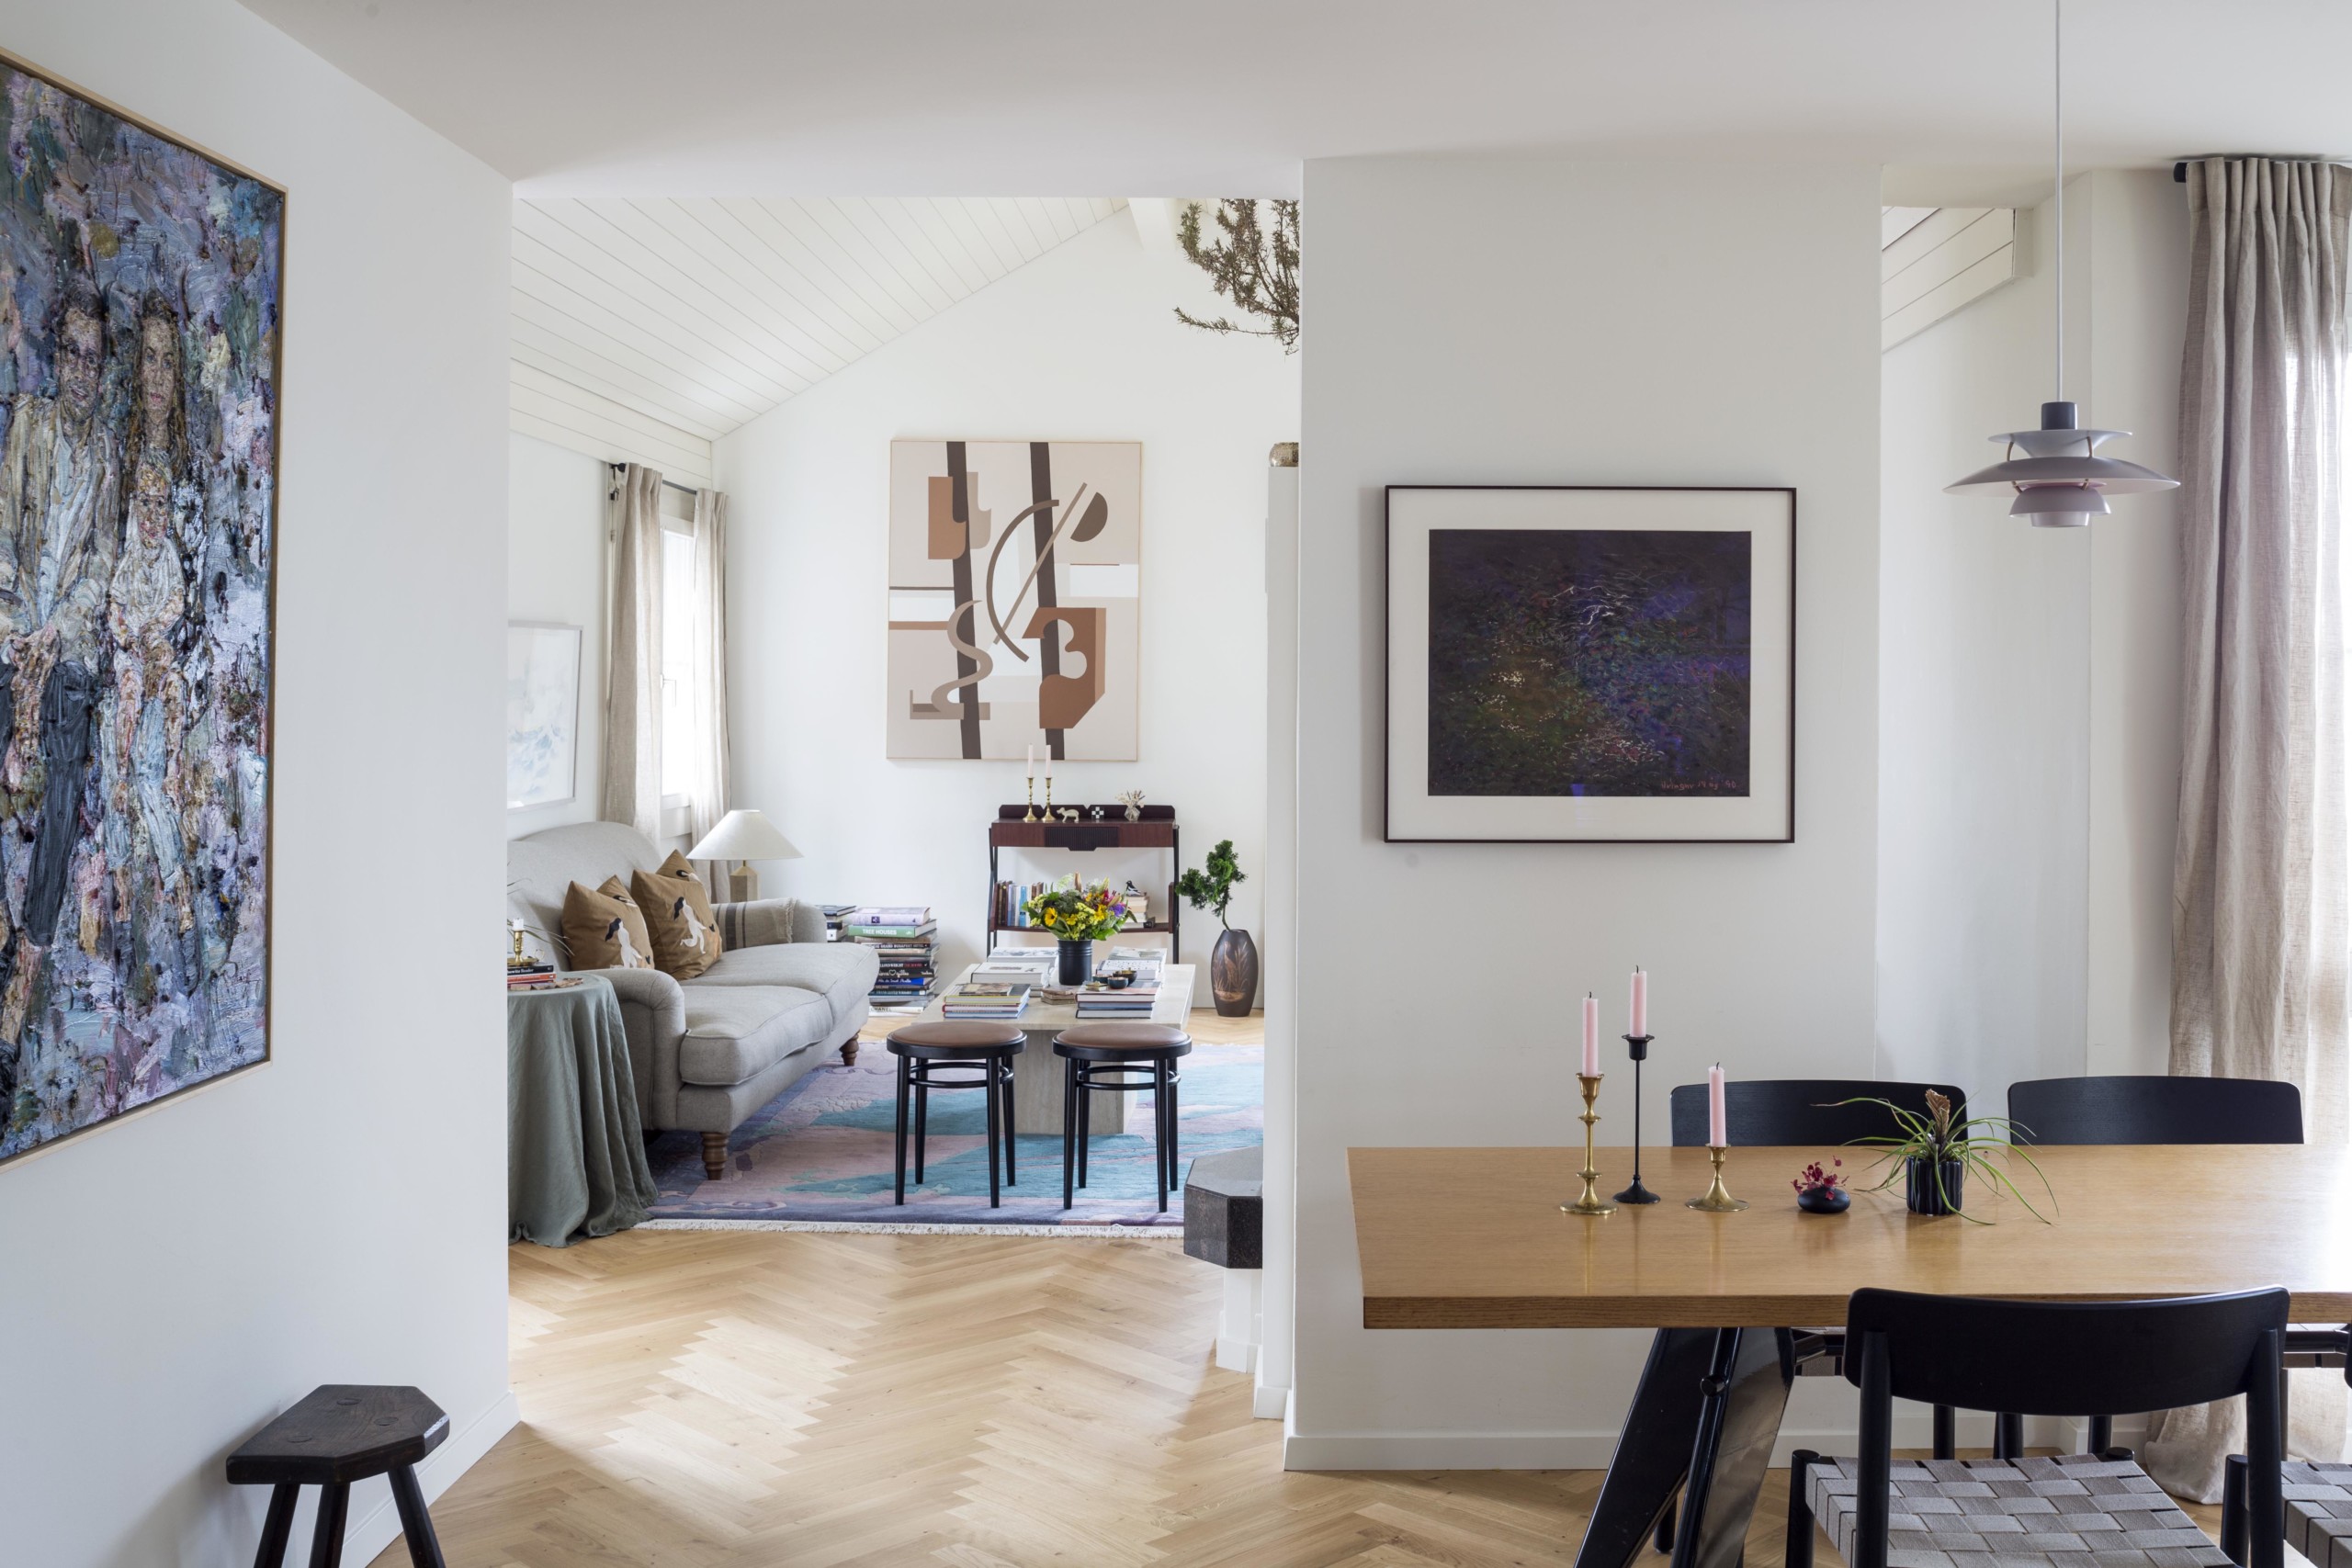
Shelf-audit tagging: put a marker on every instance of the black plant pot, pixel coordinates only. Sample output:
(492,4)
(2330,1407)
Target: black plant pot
(1077,962)
(1921,1190)
(1824,1200)
(1233,974)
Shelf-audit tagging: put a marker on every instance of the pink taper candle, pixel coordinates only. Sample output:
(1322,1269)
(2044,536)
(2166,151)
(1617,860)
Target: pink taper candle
(1591,1036)
(1637,1021)
(1715,1133)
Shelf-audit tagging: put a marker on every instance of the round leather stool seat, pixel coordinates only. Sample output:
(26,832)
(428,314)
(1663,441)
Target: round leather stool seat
(1120,1038)
(946,1036)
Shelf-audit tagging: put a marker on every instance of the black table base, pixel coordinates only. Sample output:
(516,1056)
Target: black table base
(1703,1423)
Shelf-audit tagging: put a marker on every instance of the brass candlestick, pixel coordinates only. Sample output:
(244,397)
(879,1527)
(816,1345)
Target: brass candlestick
(1049,793)
(1031,815)
(1718,1201)
(1591,1202)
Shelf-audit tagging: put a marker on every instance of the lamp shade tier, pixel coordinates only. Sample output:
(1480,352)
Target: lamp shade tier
(743,835)
(2112,475)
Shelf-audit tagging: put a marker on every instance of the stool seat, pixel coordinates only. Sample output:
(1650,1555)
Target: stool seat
(341,1432)
(944,1036)
(1122,1037)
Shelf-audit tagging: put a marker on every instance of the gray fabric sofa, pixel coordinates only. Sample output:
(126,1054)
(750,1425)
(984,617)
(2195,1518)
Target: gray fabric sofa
(708,1051)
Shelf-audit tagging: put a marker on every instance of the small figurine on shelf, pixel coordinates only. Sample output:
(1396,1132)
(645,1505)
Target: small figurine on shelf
(1069,813)
(1095,812)
(1134,801)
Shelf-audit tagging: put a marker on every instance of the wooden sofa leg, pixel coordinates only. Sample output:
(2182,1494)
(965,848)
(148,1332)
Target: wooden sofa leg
(849,1052)
(714,1155)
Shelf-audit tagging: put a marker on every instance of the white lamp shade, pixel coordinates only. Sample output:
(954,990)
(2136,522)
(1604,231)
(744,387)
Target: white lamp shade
(743,835)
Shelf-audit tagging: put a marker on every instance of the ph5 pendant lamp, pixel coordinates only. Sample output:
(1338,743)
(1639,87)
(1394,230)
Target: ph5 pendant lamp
(2055,473)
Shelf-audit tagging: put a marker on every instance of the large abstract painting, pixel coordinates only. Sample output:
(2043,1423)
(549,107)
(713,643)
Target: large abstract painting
(1015,574)
(139,349)
(1584,663)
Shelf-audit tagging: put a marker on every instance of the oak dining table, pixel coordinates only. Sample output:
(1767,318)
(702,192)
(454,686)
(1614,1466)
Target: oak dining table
(1476,1238)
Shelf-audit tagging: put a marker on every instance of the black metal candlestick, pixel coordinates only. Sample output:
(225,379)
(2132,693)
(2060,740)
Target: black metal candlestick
(1638,1047)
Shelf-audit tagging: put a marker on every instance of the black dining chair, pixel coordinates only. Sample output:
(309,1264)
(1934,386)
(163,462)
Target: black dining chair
(2047,1359)
(2125,1109)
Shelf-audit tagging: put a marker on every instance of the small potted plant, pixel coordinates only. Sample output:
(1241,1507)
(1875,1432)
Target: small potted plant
(1822,1191)
(1934,1154)
(1079,915)
(1233,963)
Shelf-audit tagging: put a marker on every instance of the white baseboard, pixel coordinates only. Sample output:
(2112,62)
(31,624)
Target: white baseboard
(1268,1403)
(1236,1355)
(367,1536)
(1591,1449)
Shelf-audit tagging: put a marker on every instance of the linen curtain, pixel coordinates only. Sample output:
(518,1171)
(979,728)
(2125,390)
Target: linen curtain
(2259,874)
(707,792)
(633,653)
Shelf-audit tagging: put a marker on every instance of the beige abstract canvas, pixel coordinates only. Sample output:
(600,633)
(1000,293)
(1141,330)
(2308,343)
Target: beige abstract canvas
(1016,582)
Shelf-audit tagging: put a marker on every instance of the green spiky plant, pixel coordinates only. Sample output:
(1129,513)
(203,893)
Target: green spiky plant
(1938,1138)
(1255,265)
(1211,886)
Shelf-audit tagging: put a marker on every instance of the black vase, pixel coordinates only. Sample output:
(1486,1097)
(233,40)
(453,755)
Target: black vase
(1822,1200)
(1922,1192)
(1233,974)
(1077,962)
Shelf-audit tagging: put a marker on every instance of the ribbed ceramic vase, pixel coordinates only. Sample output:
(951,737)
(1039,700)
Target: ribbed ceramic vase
(1233,974)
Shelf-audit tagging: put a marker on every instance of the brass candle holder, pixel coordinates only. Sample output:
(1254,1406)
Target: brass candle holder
(1591,1202)
(1049,791)
(1718,1199)
(1031,814)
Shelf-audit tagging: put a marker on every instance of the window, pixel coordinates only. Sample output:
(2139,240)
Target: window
(677,664)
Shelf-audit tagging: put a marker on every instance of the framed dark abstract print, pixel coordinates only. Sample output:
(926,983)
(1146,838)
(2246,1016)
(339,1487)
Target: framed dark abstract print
(140,287)
(1573,664)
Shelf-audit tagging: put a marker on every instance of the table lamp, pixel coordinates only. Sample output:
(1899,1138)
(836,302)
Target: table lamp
(743,837)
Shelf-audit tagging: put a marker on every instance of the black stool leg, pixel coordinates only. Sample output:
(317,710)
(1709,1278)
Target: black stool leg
(1175,1083)
(416,1525)
(902,1131)
(1085,1121)
(988,1092)
(2008,1436)
(1069,1125)
(1947,1436)
(326,1537)
(2102,1434)
(277,1525)
(922,1114)
(2234,1508)
(1799,1547)
(1159,1128)
(1011,1130)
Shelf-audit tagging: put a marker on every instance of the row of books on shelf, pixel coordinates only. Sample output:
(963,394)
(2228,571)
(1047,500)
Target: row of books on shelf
(1005,912)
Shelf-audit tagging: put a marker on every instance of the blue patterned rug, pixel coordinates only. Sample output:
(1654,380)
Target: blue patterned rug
(821,1151)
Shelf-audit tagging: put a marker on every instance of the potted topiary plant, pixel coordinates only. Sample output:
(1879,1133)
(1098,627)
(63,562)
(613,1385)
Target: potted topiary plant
(1233,963)
(1934,1154)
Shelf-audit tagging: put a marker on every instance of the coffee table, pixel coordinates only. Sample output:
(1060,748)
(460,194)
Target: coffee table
(1036,1072)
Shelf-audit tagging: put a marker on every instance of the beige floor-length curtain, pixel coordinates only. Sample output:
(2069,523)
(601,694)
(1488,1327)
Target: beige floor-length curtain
(633,653)
(707,792)
(2259,873)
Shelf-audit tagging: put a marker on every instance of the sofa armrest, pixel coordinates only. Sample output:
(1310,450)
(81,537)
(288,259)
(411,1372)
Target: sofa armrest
(763,922)
(657,993)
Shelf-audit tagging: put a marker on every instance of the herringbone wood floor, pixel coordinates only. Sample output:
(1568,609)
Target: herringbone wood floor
(694,1399)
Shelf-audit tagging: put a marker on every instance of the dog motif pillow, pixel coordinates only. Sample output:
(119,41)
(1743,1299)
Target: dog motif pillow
(604,927)
(677,910)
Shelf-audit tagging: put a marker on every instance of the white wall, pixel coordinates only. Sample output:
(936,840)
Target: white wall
(1580,324)
(2029,676)
(1079,345)
(168,1284)
(555,571)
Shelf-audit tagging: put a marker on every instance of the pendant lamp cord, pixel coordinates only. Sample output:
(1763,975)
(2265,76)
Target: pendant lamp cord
(2058,173)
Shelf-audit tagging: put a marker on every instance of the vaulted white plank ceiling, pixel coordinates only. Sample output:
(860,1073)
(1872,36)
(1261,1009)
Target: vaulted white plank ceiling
(646,328)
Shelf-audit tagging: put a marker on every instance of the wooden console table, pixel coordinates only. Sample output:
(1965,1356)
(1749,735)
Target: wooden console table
(1152,833)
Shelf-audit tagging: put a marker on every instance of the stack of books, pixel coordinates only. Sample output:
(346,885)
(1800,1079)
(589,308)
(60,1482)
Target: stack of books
(976,999)
(1016,965)
(834,915)
(1098,1000)
(537,975)
(905,939)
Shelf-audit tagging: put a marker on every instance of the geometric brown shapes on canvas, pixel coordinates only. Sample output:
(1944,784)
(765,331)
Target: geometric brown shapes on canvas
(1064,699)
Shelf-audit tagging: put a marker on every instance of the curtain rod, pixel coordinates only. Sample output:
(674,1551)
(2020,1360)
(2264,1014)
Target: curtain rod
(667,482)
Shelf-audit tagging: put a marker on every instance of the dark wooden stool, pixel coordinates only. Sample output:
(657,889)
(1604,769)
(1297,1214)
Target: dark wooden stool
(340,1433)
(923,1049)
(1110,1057)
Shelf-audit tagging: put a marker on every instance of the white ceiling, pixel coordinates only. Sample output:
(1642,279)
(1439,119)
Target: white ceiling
(725,98)
(701,313)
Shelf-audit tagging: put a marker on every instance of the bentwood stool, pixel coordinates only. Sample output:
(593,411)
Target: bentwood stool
(923,1051)
(2042,1358)
(340,1433)
(1124,1058)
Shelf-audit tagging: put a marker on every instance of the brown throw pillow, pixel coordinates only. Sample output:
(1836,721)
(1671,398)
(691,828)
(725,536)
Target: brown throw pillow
(677,910)
(604,927)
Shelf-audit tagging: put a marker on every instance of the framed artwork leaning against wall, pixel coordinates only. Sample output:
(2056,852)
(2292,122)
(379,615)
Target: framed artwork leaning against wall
(139,284)
(1579,663)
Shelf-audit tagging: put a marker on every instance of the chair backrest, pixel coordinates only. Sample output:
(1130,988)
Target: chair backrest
(2156,1110)
(1800,1111)
(2065,1357)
